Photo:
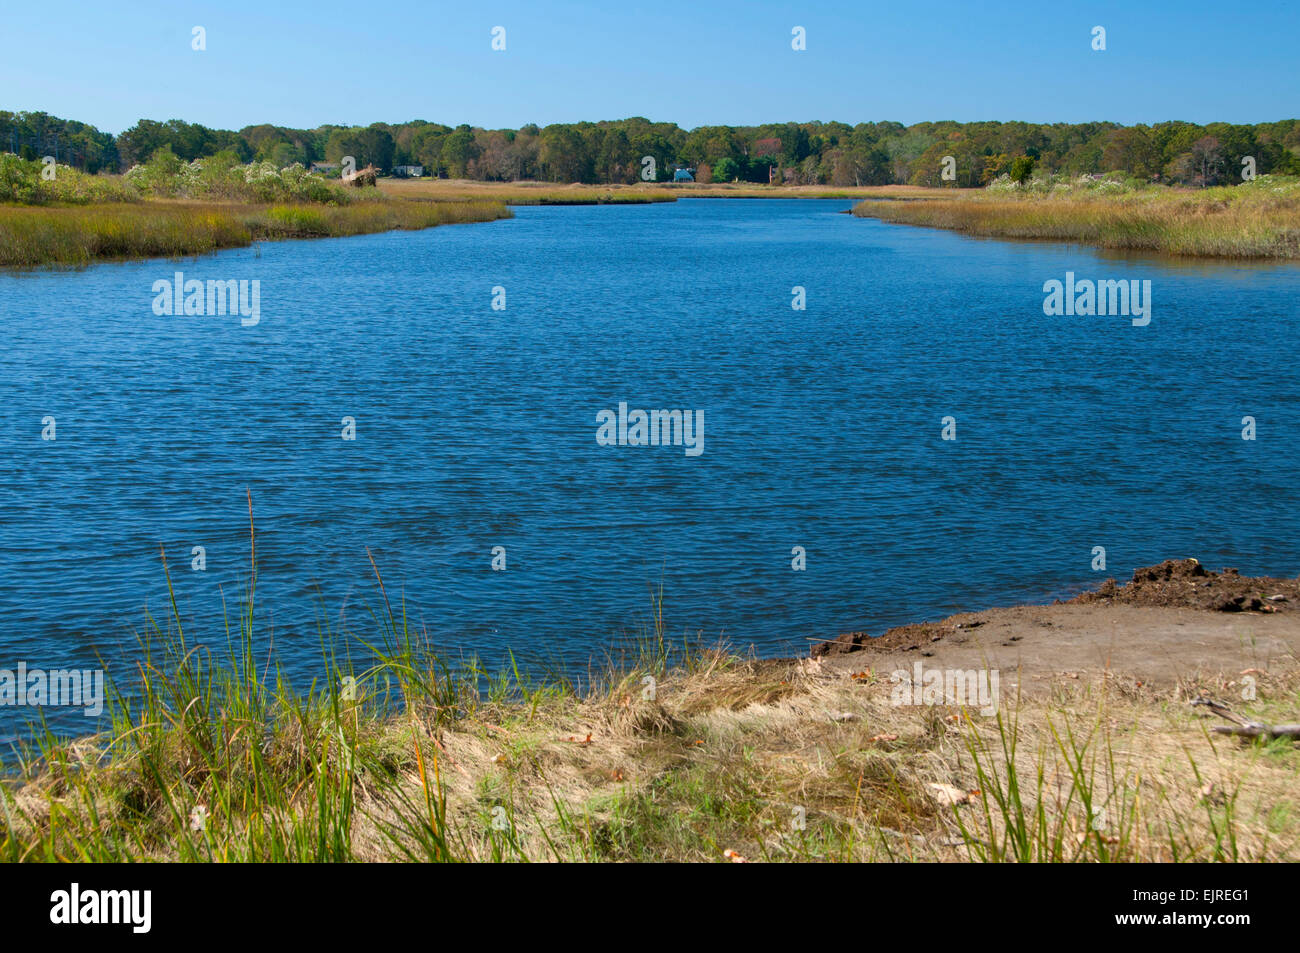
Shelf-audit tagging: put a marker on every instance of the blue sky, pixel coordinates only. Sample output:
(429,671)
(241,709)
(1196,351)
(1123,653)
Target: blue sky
(304,64)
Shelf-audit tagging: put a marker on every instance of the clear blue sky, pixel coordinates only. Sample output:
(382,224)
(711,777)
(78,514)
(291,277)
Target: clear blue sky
(303,64)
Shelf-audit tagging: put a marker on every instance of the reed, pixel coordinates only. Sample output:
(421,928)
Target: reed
(33,236)
(679,753)
(1260,219)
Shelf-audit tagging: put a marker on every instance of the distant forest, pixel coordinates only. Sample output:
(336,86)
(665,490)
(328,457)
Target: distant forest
(829,153)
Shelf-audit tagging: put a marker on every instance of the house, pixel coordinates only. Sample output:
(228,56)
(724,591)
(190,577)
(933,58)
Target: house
(408,171)
(683,175)
(325,167)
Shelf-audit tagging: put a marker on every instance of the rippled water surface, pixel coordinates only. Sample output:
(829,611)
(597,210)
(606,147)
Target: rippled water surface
(476,428)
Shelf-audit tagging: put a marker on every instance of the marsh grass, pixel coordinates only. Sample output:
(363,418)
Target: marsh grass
(728,758)
(77,235)
(1260,219)
(549,193)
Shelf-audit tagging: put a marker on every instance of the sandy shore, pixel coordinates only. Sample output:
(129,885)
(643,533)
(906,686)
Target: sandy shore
(1173,623)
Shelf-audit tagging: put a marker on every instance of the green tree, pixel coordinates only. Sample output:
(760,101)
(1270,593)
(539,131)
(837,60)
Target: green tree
(1022,167)
(458,150)
(725,170)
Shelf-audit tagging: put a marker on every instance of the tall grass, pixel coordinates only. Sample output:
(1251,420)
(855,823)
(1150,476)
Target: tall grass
(394,753)
(212,756)
(78,235)
(1260,219)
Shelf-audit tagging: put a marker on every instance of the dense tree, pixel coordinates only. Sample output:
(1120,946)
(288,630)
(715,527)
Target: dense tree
(725,169)
(1131,149)
(1022,167)
(874,153)
(371,145)
(458,150)
(37,134)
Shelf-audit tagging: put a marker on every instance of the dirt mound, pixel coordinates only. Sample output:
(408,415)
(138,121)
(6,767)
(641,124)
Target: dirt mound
(913,636)
(842,644)
(1186,584)
(1174,583)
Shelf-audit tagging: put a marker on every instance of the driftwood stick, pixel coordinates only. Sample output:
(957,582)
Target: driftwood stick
(1244,726)
(1260,731)
(1223,711)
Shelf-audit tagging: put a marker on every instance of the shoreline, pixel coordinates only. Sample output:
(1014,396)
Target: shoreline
(627,770)
(1254,221)
(35,237)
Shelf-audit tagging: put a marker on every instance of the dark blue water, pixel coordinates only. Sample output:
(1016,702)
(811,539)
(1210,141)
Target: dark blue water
(476,428)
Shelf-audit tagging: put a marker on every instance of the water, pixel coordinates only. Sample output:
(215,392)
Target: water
(476,428)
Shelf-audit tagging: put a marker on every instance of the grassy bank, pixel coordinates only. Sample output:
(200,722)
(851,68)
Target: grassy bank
(79,234)
(1260,219)
(548,193)
(673,752)
(169,208)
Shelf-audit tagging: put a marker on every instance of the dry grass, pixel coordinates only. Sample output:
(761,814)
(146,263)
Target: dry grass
(725,763)
(672,754)
(77,235)
(1256,220)
(548,193)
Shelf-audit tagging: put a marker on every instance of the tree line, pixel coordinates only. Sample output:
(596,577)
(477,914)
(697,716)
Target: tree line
(824,153)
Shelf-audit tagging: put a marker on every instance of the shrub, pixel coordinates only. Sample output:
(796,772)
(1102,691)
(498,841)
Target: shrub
(221,177)
(23,181)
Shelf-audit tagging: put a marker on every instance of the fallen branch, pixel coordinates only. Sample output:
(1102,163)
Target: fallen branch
(1244,727)
(1260,731)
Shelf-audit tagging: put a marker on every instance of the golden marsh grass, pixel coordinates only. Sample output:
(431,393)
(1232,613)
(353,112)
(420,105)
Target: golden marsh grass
(1259,220)
(32,236)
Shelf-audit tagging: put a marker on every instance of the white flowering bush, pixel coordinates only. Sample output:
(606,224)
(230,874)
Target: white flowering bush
(222,177)
(1277,184)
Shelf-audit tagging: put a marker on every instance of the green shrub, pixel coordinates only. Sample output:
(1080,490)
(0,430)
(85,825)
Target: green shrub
(33,183)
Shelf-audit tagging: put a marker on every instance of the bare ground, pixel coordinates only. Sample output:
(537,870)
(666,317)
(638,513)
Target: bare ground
(1172,622)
